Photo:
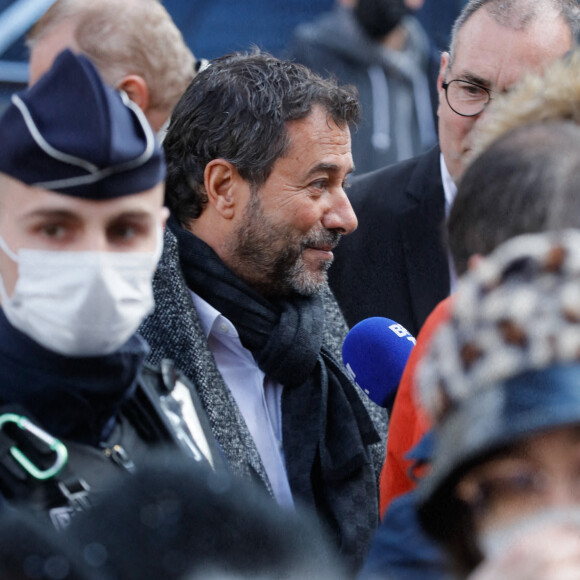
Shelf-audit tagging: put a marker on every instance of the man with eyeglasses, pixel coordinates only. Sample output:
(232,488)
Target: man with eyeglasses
(395,264)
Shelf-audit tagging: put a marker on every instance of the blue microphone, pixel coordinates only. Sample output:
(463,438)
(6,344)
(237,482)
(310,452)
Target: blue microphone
(375,353)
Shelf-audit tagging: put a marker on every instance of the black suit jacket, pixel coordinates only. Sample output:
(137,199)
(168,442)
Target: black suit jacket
(395,264)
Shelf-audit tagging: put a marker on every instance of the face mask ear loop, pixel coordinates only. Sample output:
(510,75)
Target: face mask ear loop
(3,294)
(8,251)
(4,298)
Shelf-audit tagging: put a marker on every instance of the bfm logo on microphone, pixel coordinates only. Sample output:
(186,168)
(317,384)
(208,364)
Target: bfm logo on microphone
(402,332)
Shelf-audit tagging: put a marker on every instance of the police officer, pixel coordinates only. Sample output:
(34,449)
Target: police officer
(81,218)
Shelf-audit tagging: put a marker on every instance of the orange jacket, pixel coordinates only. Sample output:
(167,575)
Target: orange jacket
(408,422)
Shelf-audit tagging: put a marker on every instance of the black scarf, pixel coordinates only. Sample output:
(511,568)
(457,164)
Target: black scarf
(74,398)
(325,426)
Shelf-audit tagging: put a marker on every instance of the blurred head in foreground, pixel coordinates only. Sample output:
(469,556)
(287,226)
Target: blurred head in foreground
(502,384)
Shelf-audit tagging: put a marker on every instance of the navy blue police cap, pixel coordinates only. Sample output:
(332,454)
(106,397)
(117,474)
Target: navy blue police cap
(70,133)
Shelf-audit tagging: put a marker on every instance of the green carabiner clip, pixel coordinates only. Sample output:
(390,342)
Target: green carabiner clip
(53,443)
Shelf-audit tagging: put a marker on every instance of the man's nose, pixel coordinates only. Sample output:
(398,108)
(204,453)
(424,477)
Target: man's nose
(340,216)
(96,241)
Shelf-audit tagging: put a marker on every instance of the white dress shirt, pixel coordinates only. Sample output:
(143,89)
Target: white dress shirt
(450,190)
(258,397)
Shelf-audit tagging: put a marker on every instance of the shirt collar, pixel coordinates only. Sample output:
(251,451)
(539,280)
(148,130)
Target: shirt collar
(449,186)
(209,317)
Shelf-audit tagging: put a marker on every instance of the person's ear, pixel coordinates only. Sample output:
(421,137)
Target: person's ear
(221,180)
(136,89)
(164,215)
(441,79)
(443,66)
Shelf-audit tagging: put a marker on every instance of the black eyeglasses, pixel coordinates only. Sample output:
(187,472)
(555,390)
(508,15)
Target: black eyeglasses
(465,98)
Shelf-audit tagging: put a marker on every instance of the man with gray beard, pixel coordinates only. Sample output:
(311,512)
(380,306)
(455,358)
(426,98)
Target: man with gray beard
(258,152)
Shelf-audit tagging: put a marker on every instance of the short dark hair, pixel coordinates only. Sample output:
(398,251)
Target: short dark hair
(237,109)
(526,181)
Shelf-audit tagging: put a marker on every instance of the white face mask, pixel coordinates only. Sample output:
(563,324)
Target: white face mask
(80,303)
(495,542)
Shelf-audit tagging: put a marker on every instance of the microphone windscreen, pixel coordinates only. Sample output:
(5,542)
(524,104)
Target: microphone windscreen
(375,353)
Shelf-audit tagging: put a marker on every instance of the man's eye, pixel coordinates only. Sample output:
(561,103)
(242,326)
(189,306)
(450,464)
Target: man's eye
(55,231)
(472,92)
(319,184)
(125,232)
